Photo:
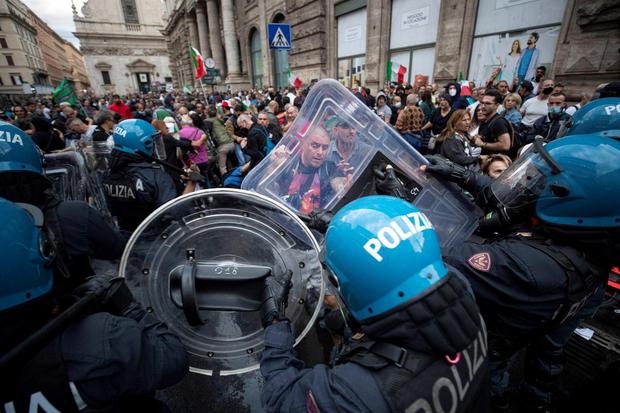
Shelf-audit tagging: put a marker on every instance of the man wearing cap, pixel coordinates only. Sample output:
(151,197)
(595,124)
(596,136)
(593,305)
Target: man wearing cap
(346,150)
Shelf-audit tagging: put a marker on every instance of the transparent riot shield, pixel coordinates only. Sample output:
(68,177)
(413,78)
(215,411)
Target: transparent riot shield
(68,173)
(328,157)
(199,264)
(97,156)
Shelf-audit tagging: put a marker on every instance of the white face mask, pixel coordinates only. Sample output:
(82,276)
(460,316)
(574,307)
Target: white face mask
(397,104)
(452,92)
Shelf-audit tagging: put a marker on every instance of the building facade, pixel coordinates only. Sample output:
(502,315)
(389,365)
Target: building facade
(22,68)
(53,50)
(123,47)
(356,41)
(78,74)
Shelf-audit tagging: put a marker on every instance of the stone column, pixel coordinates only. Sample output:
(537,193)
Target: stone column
(377,42)
(230,38)
(203,33)
(193,33)
(215,37)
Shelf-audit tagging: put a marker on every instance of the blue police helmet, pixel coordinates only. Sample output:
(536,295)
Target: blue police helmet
(573,181)
(591,176)
(26,257)
(384,252)
(18,153)
(601,116)
(135,136)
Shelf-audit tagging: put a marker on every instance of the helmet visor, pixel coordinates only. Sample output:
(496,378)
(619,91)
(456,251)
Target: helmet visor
(523,182)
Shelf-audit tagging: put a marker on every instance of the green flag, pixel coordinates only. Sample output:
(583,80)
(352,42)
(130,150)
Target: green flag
(64,93)
(186,89)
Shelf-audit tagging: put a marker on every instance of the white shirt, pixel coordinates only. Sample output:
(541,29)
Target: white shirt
(572,109)
(533,109)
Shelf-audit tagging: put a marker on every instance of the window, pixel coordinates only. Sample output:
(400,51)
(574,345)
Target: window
(257,60)
(130,11)
(3,43)
(9,60)
(16,78)
(413,33)
(352,71)
(106,77)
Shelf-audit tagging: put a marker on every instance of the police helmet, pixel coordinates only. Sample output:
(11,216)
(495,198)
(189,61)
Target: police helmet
(600,116)
(383,252)
(18,153)
(136,136)
(572,181)
(26,256)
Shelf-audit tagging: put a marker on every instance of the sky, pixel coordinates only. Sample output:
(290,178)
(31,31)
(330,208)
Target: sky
(58,15)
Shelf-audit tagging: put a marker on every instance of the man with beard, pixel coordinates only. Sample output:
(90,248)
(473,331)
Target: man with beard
(346,150)
(540,75)
(495,133)
(528,62)
(120,107)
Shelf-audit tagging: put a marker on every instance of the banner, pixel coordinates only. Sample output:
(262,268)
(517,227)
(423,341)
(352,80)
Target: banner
(64,93)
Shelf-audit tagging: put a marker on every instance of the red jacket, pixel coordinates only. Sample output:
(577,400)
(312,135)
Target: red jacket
(122,110)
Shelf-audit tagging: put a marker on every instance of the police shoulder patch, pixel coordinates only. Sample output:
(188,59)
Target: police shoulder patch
(480,261)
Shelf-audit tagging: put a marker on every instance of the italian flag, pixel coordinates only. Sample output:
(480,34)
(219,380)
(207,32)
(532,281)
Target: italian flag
(199,64)
(294,80)
(395,72)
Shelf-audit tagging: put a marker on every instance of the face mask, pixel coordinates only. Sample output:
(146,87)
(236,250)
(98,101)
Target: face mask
(555,111)
(452,92)
(397,104)
(547,90)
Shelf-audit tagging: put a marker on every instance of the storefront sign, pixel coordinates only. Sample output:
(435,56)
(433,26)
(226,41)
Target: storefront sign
(414,18)
(353,33)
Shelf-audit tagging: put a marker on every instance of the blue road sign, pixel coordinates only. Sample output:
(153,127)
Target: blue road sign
(279,36)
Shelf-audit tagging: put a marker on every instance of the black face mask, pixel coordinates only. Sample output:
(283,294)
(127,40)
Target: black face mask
(547,90)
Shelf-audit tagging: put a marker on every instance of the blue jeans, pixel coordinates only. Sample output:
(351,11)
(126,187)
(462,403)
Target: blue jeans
(242,157)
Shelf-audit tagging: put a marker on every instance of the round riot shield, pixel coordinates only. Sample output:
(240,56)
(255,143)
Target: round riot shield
(199,262)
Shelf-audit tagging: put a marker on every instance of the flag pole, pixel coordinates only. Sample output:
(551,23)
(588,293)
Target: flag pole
(204,93)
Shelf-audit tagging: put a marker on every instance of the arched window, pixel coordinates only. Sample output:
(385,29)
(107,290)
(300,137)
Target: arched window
(256,52)
(280,60)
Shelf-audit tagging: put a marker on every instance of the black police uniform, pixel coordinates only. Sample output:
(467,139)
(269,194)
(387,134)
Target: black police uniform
(95,363)
(527,287)
(135,188)
(82,233)
(429,355)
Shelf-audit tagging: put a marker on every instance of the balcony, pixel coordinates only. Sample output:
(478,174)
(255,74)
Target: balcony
(131,27)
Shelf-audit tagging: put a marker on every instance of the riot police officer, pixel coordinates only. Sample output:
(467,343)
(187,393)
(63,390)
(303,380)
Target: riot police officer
(135,186)
(535,283)
(421,344)
(80,232)
(98,350)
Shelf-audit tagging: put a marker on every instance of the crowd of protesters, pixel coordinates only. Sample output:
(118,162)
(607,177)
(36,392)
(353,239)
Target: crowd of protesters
(469,124)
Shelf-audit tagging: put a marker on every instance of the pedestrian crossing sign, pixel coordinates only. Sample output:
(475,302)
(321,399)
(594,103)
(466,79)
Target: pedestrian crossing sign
(279,36)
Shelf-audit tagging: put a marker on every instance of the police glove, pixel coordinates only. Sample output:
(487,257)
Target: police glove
(275,298)
(387,183)
(320,219)
(451,171)
(114,295)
